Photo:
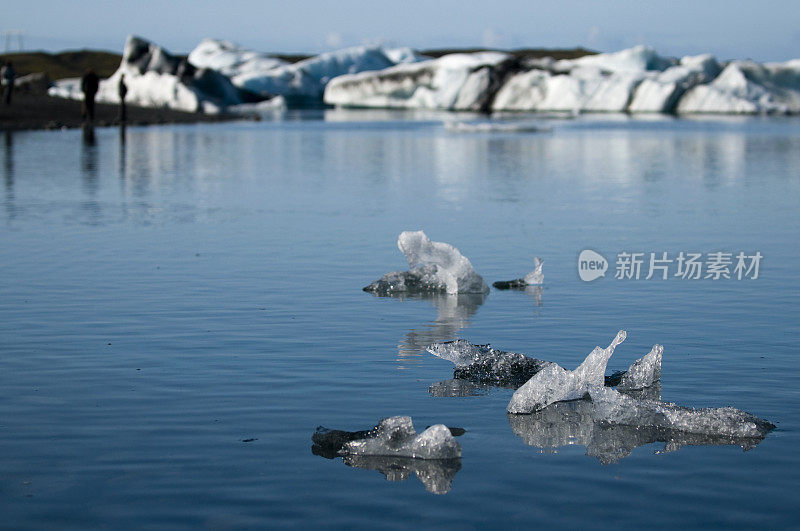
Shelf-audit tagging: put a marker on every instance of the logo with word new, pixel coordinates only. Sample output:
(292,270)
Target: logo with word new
(591,265)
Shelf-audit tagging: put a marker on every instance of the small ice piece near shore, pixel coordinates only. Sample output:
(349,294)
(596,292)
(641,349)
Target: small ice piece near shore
(615,408)
(433,267)
(396,437)
(556,384)
(483,364)
(534,278)
(643,372)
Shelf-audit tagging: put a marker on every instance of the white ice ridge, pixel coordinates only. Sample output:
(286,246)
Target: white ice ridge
(632,80)
(433,266)
(231,59)
(613,407)
(643,372)
(156,78)
(556,384)
(395,436)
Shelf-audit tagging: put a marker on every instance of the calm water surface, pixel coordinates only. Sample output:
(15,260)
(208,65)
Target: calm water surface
(168,294)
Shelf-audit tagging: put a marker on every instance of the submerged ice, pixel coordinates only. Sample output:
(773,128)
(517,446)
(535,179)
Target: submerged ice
(433,267)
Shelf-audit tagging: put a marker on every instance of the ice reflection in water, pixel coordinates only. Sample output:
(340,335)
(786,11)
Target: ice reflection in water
(569,423)
(454,312)
(437,475)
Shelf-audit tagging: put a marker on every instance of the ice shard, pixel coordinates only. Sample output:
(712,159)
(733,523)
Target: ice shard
(614,408)
(433,267)
(556,384)
(534,278)
(643,372)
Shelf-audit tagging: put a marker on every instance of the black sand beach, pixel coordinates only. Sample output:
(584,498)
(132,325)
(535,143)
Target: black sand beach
(35,111)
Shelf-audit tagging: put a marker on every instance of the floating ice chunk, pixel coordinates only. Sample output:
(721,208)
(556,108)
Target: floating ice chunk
(485,365)
(434,267)
(613,407)
(437,475)
(555,384)
(644,371)
(396,437)
(575,423)
(495,127)
(534,278)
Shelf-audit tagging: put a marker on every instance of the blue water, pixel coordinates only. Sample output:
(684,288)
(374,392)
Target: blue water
(168,294)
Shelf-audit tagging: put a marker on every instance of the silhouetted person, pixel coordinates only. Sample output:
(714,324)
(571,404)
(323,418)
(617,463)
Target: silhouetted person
(8,75)
(89,85)
(122,91)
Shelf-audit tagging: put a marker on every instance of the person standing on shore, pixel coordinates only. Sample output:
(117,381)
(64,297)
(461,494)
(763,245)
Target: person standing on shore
(89,85)
(122,91)
(8,75)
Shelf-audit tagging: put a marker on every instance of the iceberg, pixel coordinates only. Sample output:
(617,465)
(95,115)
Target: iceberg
(433,267)
(304,82)
(485,365)
(396,437)
(614,408)
(746,87)
(534,278)
(231,59)
(556,384)
(460,81)
(660,93)
(156,78)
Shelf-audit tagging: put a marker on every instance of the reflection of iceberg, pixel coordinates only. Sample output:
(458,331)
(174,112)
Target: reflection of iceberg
(433,267)
(534,278)
(574,423)
(556,384)
(437,475)
(453,314)
(615,408)
(396,450)
(456,387)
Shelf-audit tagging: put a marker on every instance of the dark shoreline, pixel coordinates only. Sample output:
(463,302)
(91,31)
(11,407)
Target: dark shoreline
(37,112)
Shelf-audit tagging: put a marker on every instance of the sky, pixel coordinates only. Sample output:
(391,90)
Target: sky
(764,30)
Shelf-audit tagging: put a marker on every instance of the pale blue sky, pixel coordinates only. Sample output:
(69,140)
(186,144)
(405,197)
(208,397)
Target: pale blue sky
(767,30)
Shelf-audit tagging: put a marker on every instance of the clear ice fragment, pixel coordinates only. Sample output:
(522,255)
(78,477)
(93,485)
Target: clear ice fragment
(643,372)
(615,408)
(396,437)
(556,384)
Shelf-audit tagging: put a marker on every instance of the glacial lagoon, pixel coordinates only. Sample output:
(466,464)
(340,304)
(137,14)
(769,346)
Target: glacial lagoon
(182,306)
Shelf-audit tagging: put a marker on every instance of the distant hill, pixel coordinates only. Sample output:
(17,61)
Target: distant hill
(64,64)
(73,63)
(523,53)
